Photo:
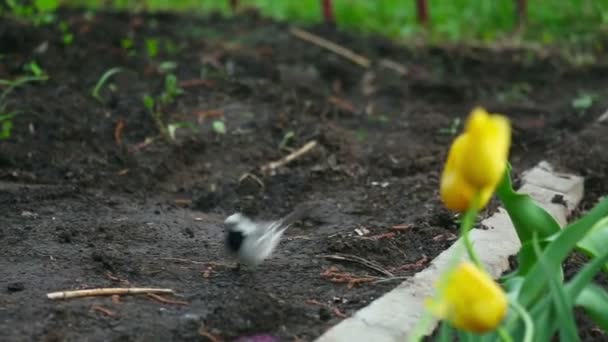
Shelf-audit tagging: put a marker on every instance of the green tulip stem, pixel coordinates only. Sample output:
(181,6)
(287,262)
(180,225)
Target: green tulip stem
(525,316)
(504,334)
(466,224)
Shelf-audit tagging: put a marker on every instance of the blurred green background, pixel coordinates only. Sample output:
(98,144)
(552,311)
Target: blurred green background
(487,20)
(548,21)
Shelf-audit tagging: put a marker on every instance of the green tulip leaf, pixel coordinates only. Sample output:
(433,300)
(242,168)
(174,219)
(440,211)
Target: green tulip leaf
(586,274)
(555,252)
(561,302)
(527,216)
(594,300)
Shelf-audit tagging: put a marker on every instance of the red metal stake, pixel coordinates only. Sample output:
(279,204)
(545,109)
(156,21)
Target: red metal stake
(521,8)
(234,4)
(422,11)
(328,12)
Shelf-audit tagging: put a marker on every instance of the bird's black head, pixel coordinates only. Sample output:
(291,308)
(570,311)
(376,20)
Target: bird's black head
(234,240)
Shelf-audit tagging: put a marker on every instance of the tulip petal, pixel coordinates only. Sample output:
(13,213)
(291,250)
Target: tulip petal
(485,156)
(476,302)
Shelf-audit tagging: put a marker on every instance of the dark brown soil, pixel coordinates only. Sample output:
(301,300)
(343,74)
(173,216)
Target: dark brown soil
(83,209)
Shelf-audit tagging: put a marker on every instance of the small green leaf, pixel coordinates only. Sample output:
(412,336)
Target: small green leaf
(172,128)
(219,127)
(127,43)
(583,102)
(286,138)
(167,66)
(152,47)
(34,68)
(6,130)
(68,38)
(148,102)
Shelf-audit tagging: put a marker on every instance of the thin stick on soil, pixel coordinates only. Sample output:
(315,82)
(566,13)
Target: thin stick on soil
(106,292)
(336,276)
(165,300)
(331,46)
(335,310)
(103,310)
(195,83)
(360,261)
(203,332)
(290,157)
(395,66)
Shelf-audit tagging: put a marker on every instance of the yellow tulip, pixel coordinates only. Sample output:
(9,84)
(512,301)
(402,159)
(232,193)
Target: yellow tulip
(476,161)
(470,300)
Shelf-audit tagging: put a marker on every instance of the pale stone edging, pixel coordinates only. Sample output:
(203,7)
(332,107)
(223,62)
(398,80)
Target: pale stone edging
(393,316)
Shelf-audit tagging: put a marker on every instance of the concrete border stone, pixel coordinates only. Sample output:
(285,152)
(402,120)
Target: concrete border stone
(393,316)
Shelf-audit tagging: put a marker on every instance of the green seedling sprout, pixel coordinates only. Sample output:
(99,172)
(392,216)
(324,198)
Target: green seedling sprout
(151,106)
(172,89)
(102,80)
(453,128)
(172,128)
(219,127)
(152,47)
(167,66)
(6,119)
(583,102)
(6,125)
(34,68)
(67,36)
(286,139)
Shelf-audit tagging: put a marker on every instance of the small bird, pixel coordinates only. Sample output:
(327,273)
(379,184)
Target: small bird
(253,242)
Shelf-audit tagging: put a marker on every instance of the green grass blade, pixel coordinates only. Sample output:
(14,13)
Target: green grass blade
(102,81)
(18,83)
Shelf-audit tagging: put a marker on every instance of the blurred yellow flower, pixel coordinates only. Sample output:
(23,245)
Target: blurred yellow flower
(476,161)
(469,299)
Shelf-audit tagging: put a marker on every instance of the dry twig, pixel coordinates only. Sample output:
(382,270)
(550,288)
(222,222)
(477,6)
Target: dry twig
(360,261)
(331,46)
(165,300)
(388,235)
(290,157)
(120,126)
(103,310)
(402,227)
(413,266)
(203,332)
(342,104)
(335,276)
(395,66)
(334,309)
(106,292)
(116,279)
(195,83)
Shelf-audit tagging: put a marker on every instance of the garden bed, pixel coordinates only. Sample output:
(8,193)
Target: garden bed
(89,203)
